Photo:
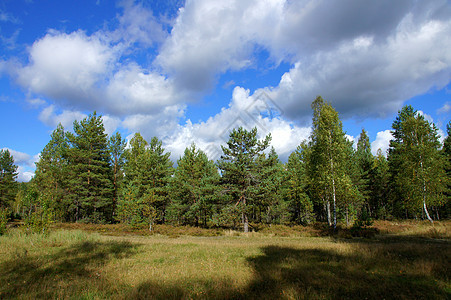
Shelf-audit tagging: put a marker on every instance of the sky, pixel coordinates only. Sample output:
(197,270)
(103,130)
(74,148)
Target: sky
(190,71)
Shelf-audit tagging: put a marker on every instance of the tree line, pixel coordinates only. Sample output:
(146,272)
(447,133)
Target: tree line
(87,176)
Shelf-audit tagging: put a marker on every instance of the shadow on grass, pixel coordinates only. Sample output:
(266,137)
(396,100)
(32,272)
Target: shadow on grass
(288,273)
(57,275)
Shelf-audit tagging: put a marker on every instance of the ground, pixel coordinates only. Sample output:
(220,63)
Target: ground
(406,260)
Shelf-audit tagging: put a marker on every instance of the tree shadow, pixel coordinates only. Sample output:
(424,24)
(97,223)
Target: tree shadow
(313,273)
(387,272)
(63,273)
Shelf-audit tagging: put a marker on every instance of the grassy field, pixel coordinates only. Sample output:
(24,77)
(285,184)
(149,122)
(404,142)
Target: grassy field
(407,260)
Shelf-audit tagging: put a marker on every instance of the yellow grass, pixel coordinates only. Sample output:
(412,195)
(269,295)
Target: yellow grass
(72,264)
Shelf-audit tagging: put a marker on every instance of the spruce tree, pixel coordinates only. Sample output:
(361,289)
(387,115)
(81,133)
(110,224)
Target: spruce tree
(193,188)
(90,174)
(379,187)
(116,147)
(361,166)
(296,184)
(8,175)
(238,166)
(269,206)
(148,170)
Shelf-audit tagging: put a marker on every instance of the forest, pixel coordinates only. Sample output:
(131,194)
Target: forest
(83,175)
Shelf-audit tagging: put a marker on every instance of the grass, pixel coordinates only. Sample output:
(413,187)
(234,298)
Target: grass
(404,261)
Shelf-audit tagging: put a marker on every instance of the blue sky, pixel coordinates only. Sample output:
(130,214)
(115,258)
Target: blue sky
(189,71)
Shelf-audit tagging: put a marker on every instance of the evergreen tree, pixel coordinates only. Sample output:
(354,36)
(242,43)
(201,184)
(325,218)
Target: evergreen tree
(238,165)
(193,188)
(447,154)
(296,184)
(148,170)
(90,175)
(116,147)
(8,175)
(361,166)
(269,205)
(379,187)
(416,164)
(51,173)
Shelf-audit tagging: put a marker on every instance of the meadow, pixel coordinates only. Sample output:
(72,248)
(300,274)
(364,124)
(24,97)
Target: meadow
(407,260)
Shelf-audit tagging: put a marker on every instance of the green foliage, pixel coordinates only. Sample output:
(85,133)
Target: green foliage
(379,188)
(148,170)
(8,175)
(296,184)
(116,148)
(89,171)
(329,162)
(38,214)
(268,201)
(4,217)
(193,189)
(51,174)
(416,164)
(240,169)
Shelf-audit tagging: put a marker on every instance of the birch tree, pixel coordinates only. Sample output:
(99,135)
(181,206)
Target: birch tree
(416,164)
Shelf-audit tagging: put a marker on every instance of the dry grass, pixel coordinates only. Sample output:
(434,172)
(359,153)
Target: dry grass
(71,264)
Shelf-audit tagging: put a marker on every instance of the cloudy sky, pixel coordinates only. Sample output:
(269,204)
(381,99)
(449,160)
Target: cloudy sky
(189,71)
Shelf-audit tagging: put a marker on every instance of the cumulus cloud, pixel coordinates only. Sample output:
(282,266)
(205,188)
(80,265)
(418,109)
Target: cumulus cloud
(138,25)
(382,142)
(244,110)
(365,78)
(366,58)
(52,118)
(446,108)
(25,164)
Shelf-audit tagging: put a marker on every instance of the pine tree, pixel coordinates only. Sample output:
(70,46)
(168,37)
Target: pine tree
(8,175)
(51,173)
(238,165)
(416,164)
(296,183)
(90,174)
(193,188)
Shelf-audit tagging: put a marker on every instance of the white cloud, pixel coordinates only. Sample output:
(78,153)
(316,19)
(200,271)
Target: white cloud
(24,175)
(365,59)
(132,90)
(138,25)
(426,116)
(67,67)
(149,125)
(382,142)
(446,108)
(51,118)
(25,164)
(20,157)
(244,110)
(373,80)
